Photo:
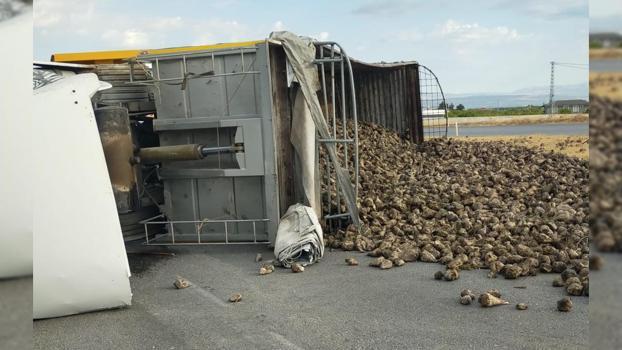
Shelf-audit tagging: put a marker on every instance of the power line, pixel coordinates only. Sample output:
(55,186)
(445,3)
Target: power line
(573,64)
(565,65)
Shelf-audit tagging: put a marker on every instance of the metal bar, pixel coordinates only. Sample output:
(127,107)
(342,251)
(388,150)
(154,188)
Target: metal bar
(172,232)
(218,143)
(356,124)
(205,243)
(242,58)
(131,65)
(184,92)
(199,221)
(327,60)
(205,151)
(184,152)
(417,124)
(343,111)
(254,232)
(325,98)
(157,65)
(336,140)
(342,215)
(226,233)
(199,228)
(196,54)
(206,76)
(334,117)
(148,220)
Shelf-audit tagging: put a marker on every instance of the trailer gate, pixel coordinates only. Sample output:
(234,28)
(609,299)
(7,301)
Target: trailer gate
(218,99)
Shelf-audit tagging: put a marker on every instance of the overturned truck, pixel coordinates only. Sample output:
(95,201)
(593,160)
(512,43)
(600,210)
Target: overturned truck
(212,144)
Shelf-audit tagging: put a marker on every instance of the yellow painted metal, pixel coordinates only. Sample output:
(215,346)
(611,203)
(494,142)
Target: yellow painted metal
(118,56)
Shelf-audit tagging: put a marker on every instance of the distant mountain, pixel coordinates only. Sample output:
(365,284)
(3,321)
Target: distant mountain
(536,96)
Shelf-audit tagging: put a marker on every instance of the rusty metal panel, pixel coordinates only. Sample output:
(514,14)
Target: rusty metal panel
(282,125)
(116,137)
(390,95)
(384,96)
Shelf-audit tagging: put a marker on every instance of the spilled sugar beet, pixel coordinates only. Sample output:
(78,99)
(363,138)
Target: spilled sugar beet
(606,173)
(513,210)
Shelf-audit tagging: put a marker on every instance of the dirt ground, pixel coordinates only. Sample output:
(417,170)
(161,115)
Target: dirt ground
(521,119)
(600,54)
(575,146)
(606,85)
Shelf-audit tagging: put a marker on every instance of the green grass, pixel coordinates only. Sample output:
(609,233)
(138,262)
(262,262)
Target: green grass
(489,112)
(596,45)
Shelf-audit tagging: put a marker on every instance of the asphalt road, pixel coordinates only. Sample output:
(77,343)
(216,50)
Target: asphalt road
(329,306)
(606,305)
(573,129)
(606,65)
(16,314)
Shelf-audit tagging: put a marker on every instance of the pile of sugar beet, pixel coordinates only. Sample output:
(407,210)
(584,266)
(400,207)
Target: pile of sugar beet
(513,210)
(606,173)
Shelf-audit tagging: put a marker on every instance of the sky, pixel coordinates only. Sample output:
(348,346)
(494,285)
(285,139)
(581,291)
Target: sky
(606,15)
(477,46)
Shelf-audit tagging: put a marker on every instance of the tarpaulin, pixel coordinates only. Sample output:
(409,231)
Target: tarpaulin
(299,237)
(302,138)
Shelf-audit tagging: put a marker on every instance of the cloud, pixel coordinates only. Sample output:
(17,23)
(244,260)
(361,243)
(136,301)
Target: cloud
(475,33)
(166,23)
(218,30)
(606,24)
(50,13)
(54,16)
(559,9)
(410,35)
(385,7)
(550,10)
(605,9)
(129,38)
(278,26)
(321,36)
(68,19)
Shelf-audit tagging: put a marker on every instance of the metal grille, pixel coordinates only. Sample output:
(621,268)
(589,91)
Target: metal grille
(336,73)
(200,237)
(433,104)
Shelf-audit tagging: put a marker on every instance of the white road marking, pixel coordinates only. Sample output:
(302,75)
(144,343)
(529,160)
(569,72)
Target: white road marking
(281,339)
(207,294)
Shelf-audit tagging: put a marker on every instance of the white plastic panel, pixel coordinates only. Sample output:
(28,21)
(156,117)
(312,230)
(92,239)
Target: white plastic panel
(80,263)
(15,140)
